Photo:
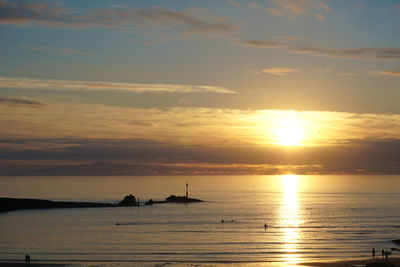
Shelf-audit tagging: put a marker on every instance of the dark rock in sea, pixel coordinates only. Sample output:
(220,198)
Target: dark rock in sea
(396,241)
(127,201)
(149,202)
(181,199)
(9,204)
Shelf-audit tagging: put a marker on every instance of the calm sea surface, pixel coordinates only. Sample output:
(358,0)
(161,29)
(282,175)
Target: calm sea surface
(309,218)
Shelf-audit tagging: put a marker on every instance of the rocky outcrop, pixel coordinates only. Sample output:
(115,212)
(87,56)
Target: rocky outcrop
(149,202)
(181,199)
(9,204)
(127,201)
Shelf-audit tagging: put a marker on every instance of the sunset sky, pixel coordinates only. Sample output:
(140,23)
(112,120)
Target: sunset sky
(199,87)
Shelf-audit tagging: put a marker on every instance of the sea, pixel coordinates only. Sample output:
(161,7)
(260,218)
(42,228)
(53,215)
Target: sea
(308,218)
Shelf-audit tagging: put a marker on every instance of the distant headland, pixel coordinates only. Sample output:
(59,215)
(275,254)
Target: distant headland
(10,204)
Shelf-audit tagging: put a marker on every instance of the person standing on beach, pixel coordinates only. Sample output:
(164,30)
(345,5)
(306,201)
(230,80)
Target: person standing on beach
(373,253)
(383,253)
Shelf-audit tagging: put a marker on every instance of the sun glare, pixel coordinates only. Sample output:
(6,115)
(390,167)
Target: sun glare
(289,132)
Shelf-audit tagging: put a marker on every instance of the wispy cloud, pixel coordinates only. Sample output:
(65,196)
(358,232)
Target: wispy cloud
(386,72)
(274,11)
(389,53)
(27,13)
(254,5)
(346,74)
(74,52)
(277,71)
(320,17)
(21,102)
(48,84)
(323,70)
(378,53)
(234,3)
(262,43)
(62,50)
(34,48)
(301,6)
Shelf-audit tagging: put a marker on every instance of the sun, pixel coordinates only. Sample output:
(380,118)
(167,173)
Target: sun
(289,132)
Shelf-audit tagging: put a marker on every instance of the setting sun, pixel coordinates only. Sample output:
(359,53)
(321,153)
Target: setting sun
(289,131)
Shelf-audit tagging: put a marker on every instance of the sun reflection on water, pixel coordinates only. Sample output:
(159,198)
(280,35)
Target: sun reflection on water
(290,220)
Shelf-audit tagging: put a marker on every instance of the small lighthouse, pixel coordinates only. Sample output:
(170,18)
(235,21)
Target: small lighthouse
(187,190)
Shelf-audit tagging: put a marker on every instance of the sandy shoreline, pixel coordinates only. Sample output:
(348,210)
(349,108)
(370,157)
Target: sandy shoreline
(392,261)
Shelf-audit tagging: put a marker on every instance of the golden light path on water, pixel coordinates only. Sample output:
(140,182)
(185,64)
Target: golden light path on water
(290,220)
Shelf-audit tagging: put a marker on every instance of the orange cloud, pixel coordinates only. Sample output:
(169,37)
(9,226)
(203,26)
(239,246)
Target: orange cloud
(386,72)
(279,71)
(301,6)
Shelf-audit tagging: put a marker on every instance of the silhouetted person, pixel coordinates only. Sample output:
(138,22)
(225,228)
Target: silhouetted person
(27,259)
(383,253)
(222,221)
(265,226)
(373,253)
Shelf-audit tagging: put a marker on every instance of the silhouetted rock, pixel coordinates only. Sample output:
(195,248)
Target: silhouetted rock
(9,204)
(127,201)
(181,199)
(149,202)
(396,241)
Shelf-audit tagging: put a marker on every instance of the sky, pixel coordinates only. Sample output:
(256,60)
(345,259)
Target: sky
(199,87)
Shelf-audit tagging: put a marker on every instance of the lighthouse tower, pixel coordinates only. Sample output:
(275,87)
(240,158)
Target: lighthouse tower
(187,191)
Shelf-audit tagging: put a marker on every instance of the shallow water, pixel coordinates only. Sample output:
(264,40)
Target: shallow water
(309,218)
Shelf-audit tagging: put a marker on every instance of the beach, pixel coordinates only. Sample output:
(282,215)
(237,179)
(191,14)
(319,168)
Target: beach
(378,262)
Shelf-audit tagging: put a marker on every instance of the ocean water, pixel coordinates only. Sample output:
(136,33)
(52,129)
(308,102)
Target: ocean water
(309,218)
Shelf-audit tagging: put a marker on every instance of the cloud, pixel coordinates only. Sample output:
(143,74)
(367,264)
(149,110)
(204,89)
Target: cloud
(69,85)
(378,53)
(27,13)
(301,6)
(21,102)
(74,52)
(346,74)
(262,43)
(386,72)
(55,50)
(274,11)
(254,5)
(385,53)
(234,3)
(320,17)
(323,70)
(34,48)
(141,157)
(279,71)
